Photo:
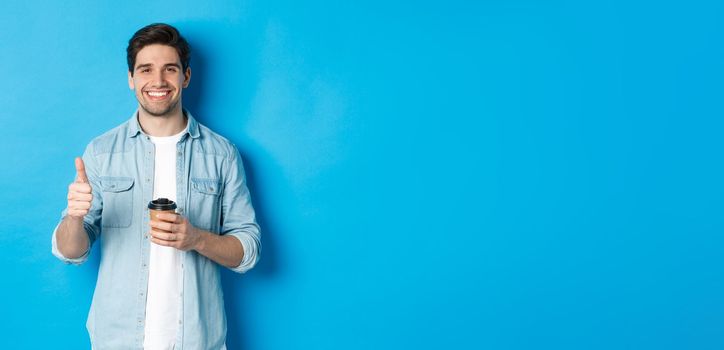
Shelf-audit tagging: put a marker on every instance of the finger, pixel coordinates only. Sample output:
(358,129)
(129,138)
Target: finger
(162,225)
(79,205)
(80,187)
(163,243)
(165,236)
(169,217)
(80,171)
(81,197)
(159,234)
(77,211)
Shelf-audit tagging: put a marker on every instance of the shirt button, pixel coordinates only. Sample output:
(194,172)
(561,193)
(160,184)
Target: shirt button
(180,154)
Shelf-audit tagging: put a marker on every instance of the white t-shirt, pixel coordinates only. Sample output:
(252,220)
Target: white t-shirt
(165,271)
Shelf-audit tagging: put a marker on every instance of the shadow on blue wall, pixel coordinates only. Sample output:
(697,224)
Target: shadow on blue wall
(268,267)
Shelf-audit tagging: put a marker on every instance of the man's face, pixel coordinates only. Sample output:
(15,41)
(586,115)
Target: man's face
(158,80)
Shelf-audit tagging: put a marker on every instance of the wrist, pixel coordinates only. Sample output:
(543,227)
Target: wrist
(200,240)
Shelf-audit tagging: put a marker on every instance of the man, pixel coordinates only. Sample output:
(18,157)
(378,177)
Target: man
(158,282)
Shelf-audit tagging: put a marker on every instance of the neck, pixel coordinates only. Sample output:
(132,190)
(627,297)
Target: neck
(165,125)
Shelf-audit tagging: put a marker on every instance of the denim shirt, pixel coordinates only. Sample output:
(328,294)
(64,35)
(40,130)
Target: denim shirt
(211,192)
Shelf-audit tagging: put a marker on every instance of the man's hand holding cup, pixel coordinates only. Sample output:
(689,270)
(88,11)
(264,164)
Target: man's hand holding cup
(171,229)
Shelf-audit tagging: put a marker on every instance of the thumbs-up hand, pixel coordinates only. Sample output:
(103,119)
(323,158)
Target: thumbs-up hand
(80,193)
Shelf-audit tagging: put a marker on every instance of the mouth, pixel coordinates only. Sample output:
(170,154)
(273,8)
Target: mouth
(157,95)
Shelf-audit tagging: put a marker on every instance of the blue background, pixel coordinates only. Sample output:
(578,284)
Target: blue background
(457,175)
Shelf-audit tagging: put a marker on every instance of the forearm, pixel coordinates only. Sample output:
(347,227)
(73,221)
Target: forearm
(72,238)
(224,250)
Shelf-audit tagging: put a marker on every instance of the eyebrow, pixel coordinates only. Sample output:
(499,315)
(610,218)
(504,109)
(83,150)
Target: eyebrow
(148,65)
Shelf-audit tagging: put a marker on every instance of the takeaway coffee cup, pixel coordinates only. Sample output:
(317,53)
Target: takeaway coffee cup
(161,205)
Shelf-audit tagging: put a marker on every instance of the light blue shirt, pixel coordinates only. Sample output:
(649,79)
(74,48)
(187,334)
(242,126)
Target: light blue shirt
(211,192)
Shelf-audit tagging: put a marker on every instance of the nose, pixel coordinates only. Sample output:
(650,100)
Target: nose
(158,79)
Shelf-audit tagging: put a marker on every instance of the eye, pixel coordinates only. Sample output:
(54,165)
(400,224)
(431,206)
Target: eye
(171,69)
(145,70)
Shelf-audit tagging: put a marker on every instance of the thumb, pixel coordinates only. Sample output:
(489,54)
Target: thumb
(80,171)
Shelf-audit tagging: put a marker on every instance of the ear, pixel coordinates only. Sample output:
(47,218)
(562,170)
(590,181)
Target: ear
(131,84)
(187,77)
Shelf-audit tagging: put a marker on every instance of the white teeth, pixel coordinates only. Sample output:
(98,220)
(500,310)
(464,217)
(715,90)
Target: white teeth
(157,94)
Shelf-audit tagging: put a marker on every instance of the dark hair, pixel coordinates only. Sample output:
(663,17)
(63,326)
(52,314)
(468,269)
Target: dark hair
(158,33)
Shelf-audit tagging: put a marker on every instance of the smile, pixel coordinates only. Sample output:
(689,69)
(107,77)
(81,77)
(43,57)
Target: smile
(157,95)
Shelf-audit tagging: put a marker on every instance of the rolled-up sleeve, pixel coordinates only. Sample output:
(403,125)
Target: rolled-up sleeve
(92,220)
(238,216)
(59,255)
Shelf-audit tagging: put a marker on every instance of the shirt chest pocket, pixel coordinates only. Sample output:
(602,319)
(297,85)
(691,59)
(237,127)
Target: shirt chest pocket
(204,199)
(117,201)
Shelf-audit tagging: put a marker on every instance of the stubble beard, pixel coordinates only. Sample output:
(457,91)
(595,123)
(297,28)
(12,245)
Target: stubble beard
(158,112)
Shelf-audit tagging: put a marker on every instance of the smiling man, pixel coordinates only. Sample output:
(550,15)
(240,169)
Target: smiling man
(158,282)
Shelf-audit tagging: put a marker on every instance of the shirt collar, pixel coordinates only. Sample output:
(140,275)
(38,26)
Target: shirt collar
(134,128)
